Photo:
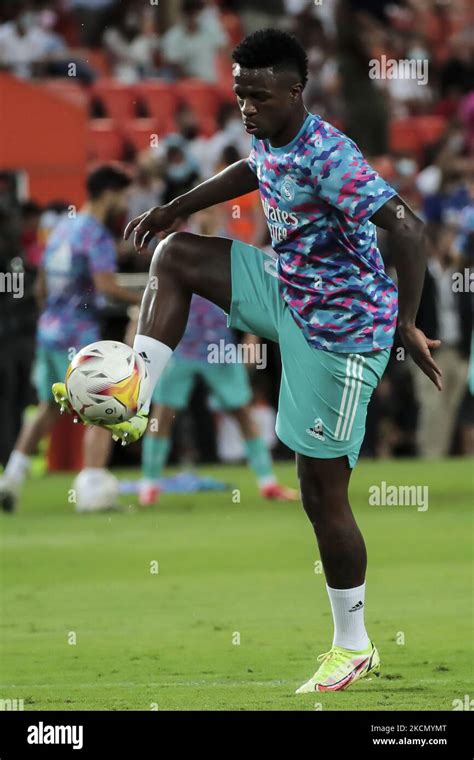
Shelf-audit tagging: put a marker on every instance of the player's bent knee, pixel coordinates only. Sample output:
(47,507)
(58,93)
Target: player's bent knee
(173,252)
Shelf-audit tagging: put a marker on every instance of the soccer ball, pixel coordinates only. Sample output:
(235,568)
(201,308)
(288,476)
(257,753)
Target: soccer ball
(107,382)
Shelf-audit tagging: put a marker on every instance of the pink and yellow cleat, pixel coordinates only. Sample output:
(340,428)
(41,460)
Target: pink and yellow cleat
(340,668)
(277,492)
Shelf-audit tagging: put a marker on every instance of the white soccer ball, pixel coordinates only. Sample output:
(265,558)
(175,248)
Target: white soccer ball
(107,382)
(96,490)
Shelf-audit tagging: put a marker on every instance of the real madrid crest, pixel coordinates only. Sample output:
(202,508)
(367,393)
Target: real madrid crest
(288,189)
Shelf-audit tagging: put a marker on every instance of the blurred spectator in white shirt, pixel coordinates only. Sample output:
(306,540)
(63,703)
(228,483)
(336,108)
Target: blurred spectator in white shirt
(133,45)
(191,45)
(29,47)
(24,43)
(260,14)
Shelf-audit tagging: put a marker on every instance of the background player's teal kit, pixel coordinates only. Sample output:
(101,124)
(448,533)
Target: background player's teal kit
(229,383)
(325,296)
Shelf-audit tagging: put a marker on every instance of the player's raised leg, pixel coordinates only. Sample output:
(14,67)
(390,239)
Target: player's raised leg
(183,264)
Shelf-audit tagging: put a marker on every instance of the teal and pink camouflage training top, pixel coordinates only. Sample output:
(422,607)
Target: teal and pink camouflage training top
(76,249)
(318,195)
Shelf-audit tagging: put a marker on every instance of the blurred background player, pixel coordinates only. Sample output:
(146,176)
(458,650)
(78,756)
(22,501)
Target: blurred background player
(79,265)
(229,383)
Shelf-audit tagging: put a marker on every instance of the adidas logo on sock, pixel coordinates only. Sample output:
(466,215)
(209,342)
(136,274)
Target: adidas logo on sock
(356,607)
(144,357)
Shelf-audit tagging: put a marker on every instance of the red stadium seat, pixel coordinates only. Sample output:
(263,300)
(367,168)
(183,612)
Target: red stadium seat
(430,128)
(68,89)
(404,136)
(140,132)
(105,141)
(119,100)
(201,97)
(160,100)
(99,60)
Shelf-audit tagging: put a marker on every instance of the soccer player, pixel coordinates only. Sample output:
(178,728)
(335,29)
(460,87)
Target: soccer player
(324,297)
(229,385)
(79,265)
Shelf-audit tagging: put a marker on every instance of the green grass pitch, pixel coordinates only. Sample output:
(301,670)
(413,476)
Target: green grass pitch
(236,614)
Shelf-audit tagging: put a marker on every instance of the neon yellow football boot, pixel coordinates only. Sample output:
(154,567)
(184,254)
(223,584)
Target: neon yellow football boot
(127,432)
(342,667)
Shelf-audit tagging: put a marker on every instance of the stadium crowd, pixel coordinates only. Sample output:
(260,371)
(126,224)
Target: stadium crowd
(418,134)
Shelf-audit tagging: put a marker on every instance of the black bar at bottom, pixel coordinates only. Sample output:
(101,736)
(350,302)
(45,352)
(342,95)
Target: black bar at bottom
(148,734)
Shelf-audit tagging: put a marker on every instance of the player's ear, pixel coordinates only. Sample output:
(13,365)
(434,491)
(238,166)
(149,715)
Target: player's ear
(296,92)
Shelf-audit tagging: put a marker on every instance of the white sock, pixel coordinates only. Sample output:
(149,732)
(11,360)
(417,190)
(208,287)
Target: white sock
(348,613)
(156,355)
(17,467)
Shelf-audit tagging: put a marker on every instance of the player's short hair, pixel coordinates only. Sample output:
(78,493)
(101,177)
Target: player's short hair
(272,48)
(104,178)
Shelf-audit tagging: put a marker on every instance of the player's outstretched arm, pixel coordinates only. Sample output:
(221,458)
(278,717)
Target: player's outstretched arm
(232,182)
(410,246)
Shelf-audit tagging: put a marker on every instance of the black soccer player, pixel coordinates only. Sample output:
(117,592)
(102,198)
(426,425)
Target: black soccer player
(323,295)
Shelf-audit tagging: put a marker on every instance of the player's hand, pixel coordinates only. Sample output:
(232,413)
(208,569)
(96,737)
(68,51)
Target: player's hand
(419,347)
(161,221)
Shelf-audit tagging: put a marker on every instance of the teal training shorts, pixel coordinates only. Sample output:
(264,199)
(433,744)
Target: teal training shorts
(50,367)
(229,383)
(324,395)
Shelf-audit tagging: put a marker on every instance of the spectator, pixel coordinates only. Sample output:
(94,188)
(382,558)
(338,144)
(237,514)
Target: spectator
(189,48)
(28,47)
(133,46)
(144,193)
(368,127)
(24,43)
(92,17)
(261,14)
(443,314)
(181,171)
(457,73)
(230,132)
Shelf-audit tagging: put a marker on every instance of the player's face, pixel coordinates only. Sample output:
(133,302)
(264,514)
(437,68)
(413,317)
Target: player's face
(266,100)
(117,203)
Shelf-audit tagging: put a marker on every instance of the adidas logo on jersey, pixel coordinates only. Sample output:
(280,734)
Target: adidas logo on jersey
(317,430)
